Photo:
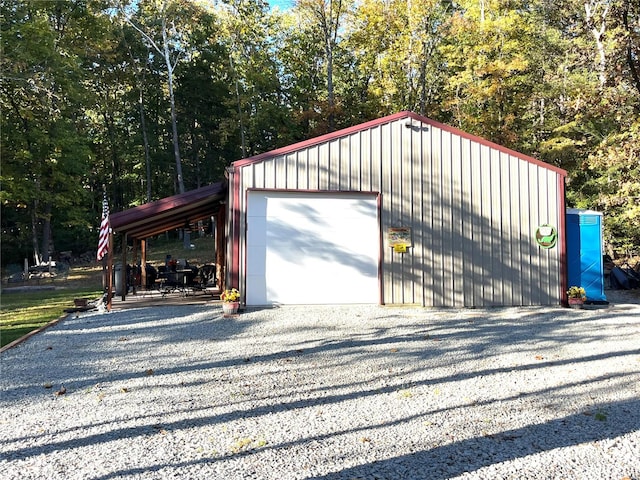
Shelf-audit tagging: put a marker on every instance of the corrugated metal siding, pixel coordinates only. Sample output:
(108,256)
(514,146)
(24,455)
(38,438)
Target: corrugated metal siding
(473,210)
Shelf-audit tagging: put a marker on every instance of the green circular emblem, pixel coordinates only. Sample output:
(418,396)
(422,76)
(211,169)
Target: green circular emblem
(546,236)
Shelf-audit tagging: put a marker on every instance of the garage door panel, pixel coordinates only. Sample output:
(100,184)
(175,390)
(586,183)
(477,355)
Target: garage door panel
(313,245)
(258,235)
(329,247)
(257,294)
(255,253)
(311,206)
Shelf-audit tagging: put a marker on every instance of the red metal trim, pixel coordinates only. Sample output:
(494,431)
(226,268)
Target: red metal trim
(234,274)
(488,143)
(342,192)
(562,240)
(119,219)
(165,214)
(321,139)
(388,119)
(244,242)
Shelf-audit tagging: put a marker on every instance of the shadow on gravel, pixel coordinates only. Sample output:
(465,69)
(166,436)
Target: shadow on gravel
(443,462)
(439,463)
(477,333)
(112,337)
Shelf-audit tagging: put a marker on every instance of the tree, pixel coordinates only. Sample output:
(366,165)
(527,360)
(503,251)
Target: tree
(490,55)
(170,47)
(326,16)
(251,37)
(303,77)
(44,152)
(596,12)
(203,99)
(397,45)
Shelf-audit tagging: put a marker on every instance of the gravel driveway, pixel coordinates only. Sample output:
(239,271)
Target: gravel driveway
(360,392)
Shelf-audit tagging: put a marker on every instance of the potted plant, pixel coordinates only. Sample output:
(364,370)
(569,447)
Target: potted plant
(230,301)
(577,296)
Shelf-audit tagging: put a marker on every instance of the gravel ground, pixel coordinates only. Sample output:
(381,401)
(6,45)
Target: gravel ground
(359,392)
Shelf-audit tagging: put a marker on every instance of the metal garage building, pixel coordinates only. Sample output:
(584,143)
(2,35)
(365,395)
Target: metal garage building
(399,210)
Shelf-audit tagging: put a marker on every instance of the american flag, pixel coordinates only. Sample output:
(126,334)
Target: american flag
(105,229)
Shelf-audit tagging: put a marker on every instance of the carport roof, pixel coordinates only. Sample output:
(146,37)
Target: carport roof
(169,213)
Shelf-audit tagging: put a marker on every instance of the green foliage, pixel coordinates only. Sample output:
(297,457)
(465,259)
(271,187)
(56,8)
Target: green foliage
(613,185)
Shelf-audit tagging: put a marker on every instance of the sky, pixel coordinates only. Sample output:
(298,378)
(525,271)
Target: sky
(282,4)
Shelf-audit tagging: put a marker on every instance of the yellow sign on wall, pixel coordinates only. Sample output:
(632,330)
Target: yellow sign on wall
(399,236)
(400,248)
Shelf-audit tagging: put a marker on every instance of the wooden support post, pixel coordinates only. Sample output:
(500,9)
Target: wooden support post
(134,264)
(143,262)
(123,272)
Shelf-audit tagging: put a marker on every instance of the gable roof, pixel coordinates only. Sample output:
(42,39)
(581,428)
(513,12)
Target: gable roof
(169,213)
(390,118)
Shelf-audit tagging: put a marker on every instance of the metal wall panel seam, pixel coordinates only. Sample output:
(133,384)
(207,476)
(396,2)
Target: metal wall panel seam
(496,225)
(514,221)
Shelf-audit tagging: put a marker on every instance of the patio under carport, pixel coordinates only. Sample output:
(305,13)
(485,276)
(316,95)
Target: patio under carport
(181,211)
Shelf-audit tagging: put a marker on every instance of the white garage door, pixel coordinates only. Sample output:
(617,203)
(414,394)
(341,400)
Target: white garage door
(312,248)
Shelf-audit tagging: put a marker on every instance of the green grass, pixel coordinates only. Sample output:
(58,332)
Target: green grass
(24,311)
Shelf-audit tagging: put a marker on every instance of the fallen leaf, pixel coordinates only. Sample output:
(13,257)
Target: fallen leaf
(124,389)
(160,429)
(149,371)
(393,350)
(365,439)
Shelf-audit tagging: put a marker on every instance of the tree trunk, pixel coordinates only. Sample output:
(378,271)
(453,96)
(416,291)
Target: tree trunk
(633,50)
(243,142)
(330,95)
(172,101)
(46,234)
(174,123)
(34,235)
(145,139)
(598,32)
(330,23)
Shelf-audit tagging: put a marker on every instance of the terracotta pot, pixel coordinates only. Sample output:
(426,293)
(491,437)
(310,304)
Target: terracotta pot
(576,302)
(230,308)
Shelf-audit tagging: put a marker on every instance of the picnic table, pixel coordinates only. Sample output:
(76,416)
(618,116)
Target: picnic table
(36,273)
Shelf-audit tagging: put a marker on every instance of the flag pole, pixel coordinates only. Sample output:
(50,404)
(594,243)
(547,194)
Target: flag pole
(105,246)
(110,271)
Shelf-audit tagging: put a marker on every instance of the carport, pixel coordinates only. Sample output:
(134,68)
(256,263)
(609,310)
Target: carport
(169,213)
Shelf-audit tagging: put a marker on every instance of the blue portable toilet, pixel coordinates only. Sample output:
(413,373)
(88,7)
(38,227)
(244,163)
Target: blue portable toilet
(585,267)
